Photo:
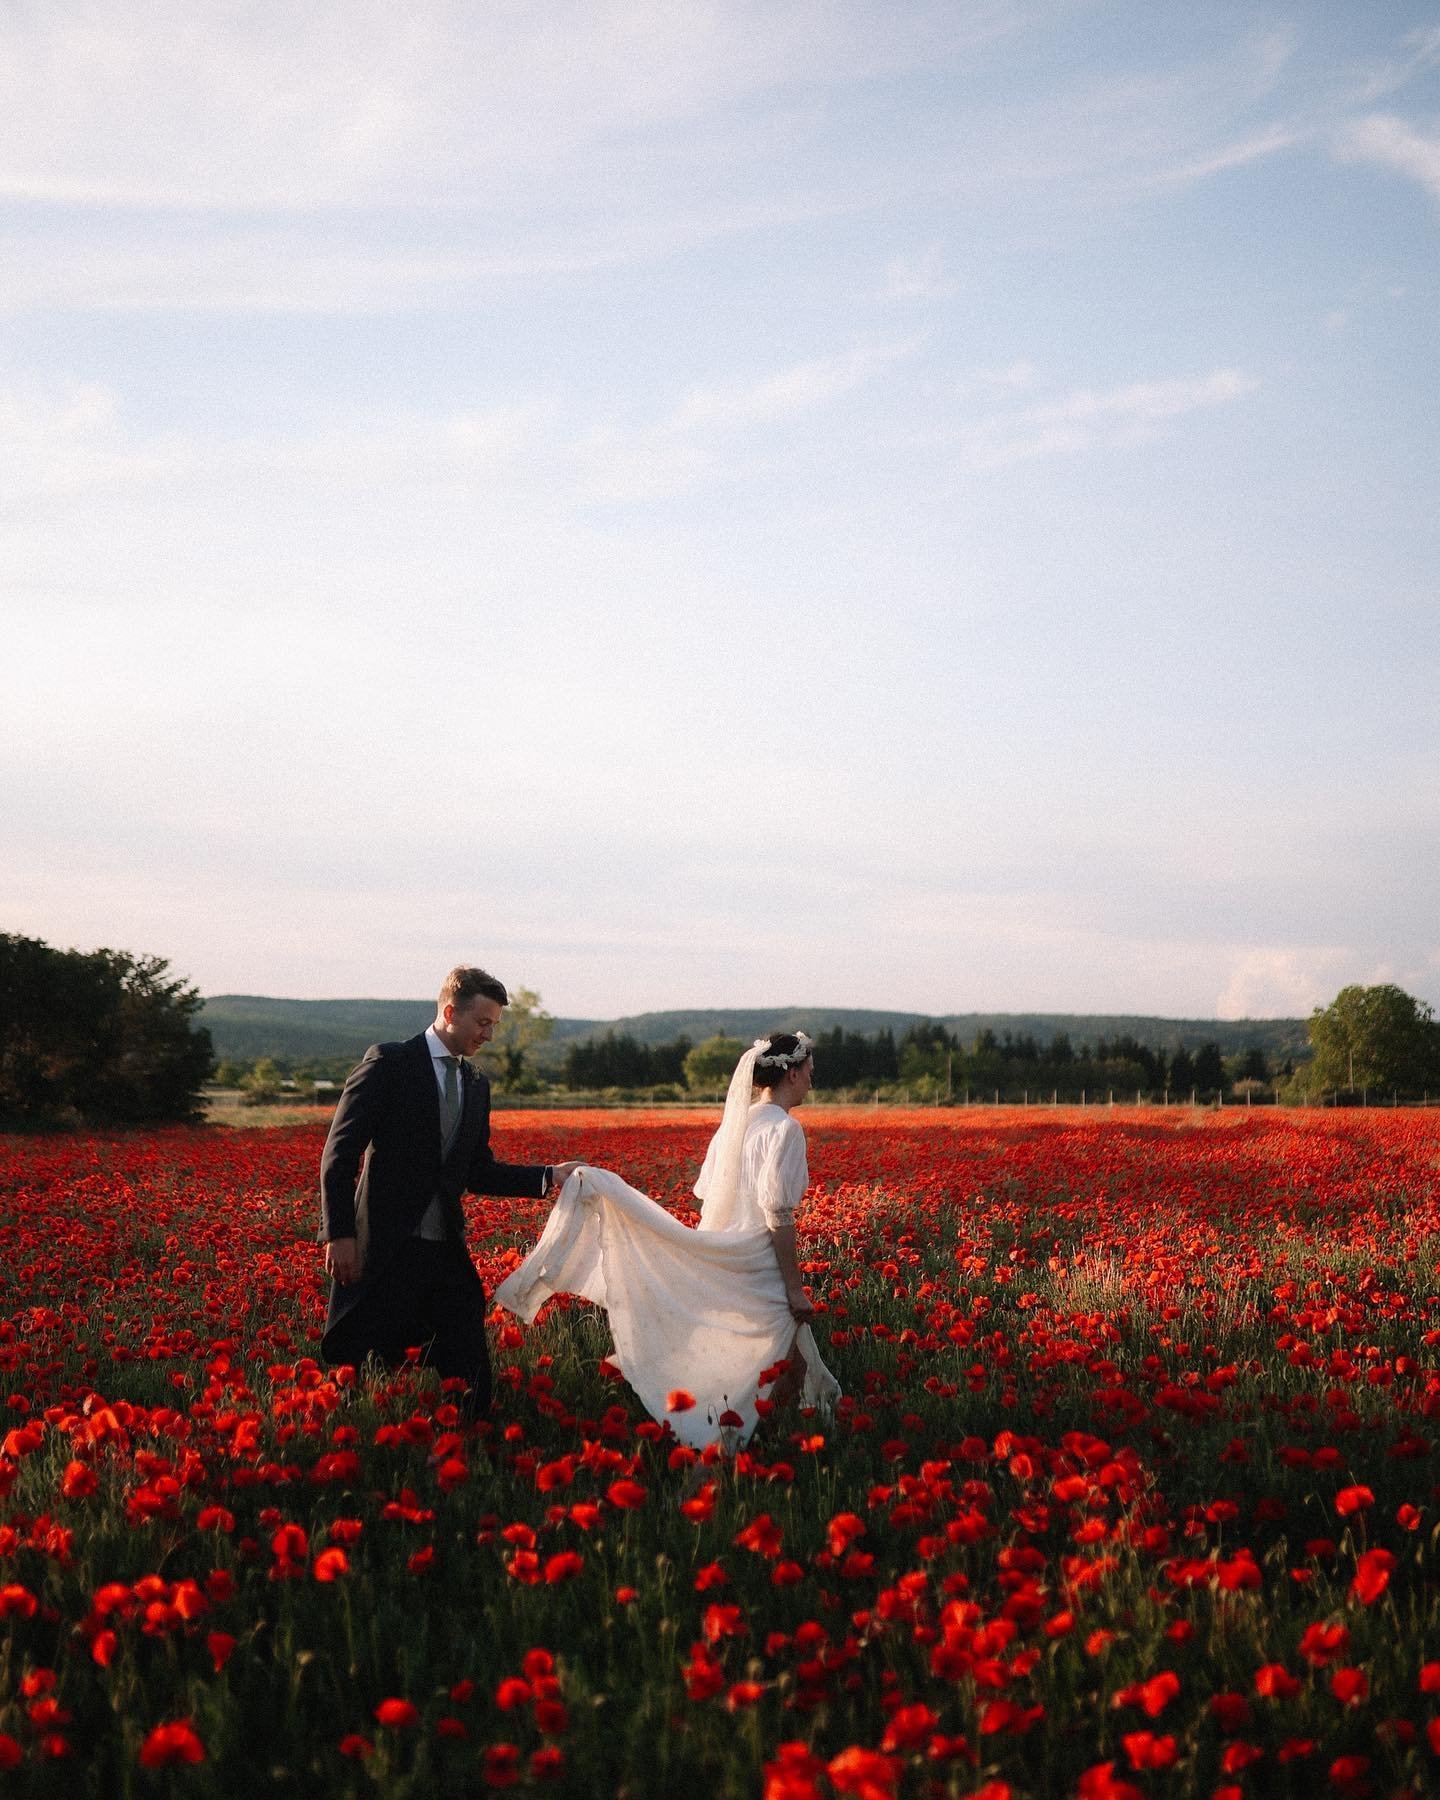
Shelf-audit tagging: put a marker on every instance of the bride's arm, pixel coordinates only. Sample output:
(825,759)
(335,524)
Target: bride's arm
(782,1236)
(783,1177)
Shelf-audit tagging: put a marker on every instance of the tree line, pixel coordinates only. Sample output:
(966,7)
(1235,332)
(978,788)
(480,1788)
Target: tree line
(622,1061)
(927,1059)
(932,1061)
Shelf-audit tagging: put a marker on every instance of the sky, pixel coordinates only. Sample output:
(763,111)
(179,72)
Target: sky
(922,506)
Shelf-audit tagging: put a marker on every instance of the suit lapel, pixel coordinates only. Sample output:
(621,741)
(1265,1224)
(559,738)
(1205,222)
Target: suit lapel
(427,1092)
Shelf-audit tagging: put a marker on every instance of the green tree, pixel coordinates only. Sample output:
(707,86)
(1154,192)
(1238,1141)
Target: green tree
(1182,1073)
(524,1026)
(711,1064)
(1375,1037)
(925,1051)
(263,1082)
(1253,1065)
(101,1033)
(1209,1068)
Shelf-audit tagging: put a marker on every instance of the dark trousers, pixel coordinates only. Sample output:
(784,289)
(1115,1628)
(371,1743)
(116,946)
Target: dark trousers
(430,1295)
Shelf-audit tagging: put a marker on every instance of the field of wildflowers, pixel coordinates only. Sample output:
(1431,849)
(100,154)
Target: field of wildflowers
(1132,1493)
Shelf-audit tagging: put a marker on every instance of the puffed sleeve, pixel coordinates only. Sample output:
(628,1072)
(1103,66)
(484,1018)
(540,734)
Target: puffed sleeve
(784,1175)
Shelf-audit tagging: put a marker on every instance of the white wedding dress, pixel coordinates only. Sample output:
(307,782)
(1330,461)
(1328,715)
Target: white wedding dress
(701,1310)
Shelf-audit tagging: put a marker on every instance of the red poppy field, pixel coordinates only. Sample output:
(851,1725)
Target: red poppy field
(1132,1491)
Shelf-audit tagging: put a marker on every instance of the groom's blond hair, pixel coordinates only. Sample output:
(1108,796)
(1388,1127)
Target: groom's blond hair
(465,981)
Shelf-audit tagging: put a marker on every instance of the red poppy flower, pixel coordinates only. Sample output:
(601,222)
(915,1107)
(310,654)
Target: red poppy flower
(1102,1783)
(722,1622)
(1321,1643)
(866,1773)
(1350,1686)
(1372,1575)
(16,1601)
(547,1763)
(176,1742)
(398,1714)
(1352,1500)
(79,1481)
(501,1766)
(909,1727)
(330,1564)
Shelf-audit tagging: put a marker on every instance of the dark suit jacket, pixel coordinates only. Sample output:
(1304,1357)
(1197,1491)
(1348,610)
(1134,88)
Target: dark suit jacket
(390,1108)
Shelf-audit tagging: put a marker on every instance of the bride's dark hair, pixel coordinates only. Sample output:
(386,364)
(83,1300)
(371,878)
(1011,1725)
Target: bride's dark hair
(782,1043)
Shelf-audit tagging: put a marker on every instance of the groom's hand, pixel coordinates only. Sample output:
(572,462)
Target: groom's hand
(560,1173)
(342,1260)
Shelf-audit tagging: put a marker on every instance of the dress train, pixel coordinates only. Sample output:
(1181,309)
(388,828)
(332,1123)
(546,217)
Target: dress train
(700,1311)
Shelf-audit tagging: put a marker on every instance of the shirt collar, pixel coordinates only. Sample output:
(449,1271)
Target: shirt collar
(433,1044)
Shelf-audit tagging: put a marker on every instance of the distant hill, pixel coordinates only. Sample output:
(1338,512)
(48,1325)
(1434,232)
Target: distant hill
(245,1026)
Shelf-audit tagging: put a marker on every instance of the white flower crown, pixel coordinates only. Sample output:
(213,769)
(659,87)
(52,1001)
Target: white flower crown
(765,1058)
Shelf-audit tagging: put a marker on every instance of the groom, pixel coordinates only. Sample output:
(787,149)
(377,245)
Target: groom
(394,1234)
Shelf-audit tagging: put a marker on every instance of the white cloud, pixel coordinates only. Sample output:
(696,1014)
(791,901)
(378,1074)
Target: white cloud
(151,266)
(162,104)
(1281,983)
(1267,54)
(263,272)
(919,277)
(1392,144)
(1231,156)
(1422,52)
(688,445)
(1089,417)
(797,389)
(447,149)
(56,444)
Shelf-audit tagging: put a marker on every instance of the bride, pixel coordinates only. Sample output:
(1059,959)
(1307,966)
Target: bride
(706,1320)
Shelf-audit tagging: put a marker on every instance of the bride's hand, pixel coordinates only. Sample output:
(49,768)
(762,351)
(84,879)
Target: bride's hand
(801,1306)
